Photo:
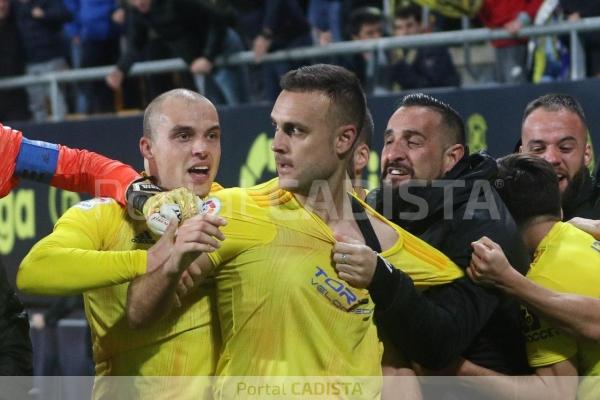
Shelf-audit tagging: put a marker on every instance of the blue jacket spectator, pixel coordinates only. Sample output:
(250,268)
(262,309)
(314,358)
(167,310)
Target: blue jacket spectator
(92,19)
(94,42)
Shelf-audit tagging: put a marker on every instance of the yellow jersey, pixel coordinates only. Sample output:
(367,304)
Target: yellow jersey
(566,260)
(283,311)
(96,248)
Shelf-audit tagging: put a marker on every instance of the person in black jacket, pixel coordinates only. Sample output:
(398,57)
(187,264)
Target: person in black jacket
(435,190)
(272,25)
(194,30)
(40,25)
(575,10)
(422,67)
(13,102)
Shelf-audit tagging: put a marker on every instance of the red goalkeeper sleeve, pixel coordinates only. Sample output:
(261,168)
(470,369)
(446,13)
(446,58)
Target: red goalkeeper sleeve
(60,166)
(85,171)
(10,143)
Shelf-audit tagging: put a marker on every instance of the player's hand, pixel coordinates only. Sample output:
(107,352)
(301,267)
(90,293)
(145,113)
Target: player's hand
(162,207)
(488,263)
(190,279)
(159,253)
(355,262)
(115,78)
(590,226)
(195,236)
(201,65)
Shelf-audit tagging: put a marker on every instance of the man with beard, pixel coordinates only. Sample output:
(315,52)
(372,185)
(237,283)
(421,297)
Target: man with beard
(428,174)
(554,128)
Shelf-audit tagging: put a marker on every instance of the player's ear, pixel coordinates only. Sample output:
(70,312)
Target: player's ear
(146,147)
(361,156)
(345,139)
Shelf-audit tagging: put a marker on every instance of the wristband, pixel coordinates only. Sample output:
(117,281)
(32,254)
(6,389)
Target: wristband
(37,160)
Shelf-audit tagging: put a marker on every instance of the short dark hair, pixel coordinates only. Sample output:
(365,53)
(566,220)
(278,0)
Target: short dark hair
(365,136)
(341,86)
(556,102)
(529,187)
(368,128)
(362,16)
(450,117)
(410,11)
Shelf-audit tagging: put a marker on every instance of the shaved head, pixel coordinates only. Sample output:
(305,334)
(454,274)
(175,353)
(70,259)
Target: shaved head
(153,111)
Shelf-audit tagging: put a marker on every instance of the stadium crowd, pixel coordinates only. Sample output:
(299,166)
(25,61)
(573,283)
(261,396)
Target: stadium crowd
(41,36)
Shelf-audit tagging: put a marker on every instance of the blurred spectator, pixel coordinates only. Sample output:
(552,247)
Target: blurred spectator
(40,25)
(325,17)
(365,23)
(49,363)
(196,31)
(418,68)
(15,345)
(271,25)
(13,102)
(97,37)
(511,54)
(350,6)
(575,10)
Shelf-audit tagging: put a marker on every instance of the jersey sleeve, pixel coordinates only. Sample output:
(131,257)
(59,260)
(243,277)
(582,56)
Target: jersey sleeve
(71,259)
(10,143)
(85,171)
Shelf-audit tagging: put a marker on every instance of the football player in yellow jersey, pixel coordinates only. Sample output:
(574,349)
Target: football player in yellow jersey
(97,248)
(283,310)
(565,260)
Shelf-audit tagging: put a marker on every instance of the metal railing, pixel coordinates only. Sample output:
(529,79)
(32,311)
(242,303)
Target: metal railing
(459,37)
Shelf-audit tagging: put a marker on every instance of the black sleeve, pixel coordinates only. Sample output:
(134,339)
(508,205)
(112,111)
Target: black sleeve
(215,38)
(585,8)
(136,36)
(15,345)
(56,13)
(435,327)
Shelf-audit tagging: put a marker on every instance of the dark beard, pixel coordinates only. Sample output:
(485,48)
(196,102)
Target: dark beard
(573,189)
